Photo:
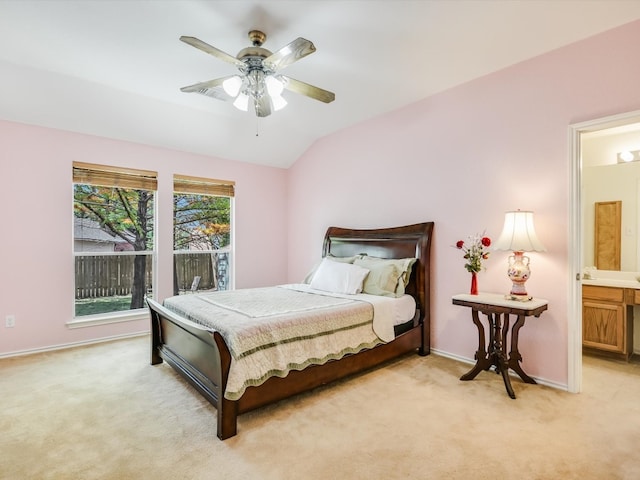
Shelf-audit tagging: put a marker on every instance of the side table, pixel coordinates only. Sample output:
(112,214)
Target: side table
(494,353)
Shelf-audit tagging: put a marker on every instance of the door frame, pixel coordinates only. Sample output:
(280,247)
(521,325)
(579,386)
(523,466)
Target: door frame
(576,245)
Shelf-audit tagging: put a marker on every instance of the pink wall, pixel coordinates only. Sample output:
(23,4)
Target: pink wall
(462,158)
(450,158)
(36,265)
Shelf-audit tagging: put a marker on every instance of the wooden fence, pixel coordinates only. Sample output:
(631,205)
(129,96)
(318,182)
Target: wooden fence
(190,265)
(110,275)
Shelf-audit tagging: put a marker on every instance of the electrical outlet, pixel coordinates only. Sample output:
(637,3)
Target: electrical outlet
(10,321)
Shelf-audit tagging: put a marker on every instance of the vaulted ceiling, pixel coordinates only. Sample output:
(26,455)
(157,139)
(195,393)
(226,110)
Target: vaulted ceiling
(114,68)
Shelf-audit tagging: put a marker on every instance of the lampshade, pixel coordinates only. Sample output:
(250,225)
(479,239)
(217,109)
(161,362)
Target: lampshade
(519,234)
(232,85)
(242,102)
(274,86)
(278,102)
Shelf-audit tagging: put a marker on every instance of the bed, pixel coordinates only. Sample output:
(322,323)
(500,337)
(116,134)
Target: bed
(203,356)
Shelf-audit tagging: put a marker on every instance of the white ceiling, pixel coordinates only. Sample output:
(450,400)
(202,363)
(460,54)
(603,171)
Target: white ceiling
(114,68)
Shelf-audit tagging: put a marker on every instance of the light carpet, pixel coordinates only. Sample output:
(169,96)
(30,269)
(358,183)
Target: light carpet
(102,412)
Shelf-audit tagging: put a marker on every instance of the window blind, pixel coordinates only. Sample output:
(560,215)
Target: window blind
(203,186)
(108,176)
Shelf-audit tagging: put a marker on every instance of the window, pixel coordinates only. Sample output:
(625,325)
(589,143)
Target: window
(113,213)
(202,234)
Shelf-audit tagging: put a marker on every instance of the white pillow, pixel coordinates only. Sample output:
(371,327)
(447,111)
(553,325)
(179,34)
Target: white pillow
(310,275)
(337,277)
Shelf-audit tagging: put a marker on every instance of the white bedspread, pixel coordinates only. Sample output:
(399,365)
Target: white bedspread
(272,331)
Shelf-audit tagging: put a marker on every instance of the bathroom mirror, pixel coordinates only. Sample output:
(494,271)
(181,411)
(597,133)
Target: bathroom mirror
(612,189)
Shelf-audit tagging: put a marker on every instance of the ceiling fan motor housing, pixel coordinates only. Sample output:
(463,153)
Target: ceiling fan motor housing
(252,57)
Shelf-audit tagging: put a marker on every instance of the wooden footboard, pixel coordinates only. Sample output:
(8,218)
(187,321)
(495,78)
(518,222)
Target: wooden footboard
(203,359)
(197,354)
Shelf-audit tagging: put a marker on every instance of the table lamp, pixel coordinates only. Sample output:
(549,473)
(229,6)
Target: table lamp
(519,236)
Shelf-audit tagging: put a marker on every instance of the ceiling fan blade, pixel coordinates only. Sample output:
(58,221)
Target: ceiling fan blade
(210,88)
(263,106)
(205,47)
(288,54)
(208,84)
(309,90)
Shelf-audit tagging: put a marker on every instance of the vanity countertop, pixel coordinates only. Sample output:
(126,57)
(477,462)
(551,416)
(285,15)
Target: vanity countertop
(611,278)
(612,282)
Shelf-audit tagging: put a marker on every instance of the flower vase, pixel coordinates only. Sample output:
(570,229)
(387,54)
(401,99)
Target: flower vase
(474,283)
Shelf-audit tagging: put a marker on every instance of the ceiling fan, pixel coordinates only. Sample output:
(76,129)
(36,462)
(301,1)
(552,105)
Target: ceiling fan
(259,80)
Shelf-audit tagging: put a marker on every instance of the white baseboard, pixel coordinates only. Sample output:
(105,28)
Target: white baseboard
(51,348)
(541,381)
(434,351)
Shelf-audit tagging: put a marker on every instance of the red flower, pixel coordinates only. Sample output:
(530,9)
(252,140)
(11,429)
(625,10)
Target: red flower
(474,252)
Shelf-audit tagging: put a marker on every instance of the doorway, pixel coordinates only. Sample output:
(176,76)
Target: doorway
(576,236)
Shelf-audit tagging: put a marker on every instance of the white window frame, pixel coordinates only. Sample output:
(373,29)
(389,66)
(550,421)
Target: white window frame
(230,249)
(122,315)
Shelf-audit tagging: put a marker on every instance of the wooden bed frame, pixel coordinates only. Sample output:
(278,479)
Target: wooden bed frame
(201,356)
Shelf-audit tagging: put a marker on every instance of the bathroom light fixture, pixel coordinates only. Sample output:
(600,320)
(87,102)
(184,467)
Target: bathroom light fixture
(628,156)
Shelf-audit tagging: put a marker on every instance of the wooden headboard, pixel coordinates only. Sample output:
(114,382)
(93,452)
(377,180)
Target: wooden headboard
(397,242)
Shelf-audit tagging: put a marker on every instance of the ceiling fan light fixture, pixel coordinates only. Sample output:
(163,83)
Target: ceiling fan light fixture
(274,86)
(232,86)
(242,102)
(278,102)
(259,81)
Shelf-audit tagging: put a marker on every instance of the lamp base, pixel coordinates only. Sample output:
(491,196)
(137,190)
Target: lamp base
(518,298)
(518,273)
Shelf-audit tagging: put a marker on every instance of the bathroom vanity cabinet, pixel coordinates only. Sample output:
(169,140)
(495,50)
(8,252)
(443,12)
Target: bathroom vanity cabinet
(607,319)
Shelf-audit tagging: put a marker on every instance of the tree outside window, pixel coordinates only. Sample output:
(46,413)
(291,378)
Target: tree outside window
(202,238)
(113,241)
